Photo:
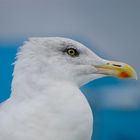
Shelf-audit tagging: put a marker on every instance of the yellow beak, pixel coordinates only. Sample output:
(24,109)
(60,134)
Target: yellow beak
(117,69)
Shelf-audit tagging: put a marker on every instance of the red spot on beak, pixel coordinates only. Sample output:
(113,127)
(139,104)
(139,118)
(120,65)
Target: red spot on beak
(124,75)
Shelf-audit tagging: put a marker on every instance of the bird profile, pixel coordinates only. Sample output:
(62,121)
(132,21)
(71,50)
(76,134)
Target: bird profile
(46,102)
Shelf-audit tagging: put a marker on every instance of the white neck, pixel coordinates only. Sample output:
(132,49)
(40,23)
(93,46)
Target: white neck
(62,101)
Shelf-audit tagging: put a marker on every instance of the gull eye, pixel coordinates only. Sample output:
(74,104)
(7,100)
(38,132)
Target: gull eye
(72,52)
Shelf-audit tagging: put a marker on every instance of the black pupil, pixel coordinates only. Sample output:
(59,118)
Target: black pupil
(72,51)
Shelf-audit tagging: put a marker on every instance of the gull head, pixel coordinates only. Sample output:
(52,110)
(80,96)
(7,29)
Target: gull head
(68,60)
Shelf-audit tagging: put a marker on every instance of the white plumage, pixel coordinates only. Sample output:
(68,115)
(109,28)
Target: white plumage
(46,103)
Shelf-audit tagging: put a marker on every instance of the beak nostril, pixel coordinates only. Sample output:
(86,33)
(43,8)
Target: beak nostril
(116,65)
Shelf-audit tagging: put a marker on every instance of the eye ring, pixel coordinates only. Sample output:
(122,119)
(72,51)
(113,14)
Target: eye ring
(72,52)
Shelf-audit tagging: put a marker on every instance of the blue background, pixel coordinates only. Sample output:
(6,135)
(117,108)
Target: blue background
(110,28)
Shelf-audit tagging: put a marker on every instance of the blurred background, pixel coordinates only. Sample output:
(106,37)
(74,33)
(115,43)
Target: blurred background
(111,28)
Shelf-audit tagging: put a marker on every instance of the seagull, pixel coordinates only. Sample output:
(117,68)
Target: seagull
(46,102)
